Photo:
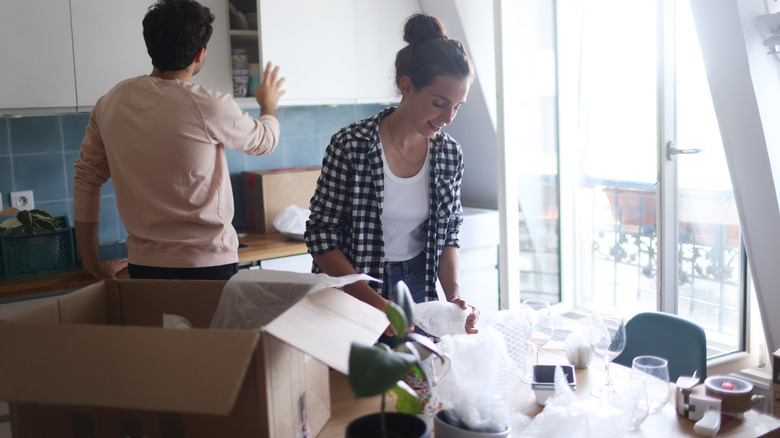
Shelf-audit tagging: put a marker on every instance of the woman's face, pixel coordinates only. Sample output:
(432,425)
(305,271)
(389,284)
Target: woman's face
(431,108)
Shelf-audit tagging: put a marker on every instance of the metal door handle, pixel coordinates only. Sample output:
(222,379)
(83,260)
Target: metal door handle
(672,151)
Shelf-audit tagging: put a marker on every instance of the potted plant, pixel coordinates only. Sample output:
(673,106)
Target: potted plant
(27,221)
(33,242)
(380,370)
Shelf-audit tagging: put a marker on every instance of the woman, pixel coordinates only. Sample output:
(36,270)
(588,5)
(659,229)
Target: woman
(387,202)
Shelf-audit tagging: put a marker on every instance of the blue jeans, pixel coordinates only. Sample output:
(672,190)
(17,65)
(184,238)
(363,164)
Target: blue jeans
(411,272)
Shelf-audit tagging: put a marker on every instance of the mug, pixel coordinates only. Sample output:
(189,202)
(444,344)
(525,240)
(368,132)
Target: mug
(424,388)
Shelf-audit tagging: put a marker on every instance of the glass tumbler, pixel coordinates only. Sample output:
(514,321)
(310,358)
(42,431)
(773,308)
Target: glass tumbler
(655,372)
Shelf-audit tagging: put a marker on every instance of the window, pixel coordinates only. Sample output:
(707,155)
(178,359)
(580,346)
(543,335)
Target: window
(619,168)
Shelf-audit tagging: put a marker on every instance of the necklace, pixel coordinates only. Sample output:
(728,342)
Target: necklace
(403,157)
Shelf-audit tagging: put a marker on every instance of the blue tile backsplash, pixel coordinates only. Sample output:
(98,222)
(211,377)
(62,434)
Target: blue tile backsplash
(37,153)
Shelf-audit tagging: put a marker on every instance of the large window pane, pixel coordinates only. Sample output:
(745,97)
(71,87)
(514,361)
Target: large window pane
(531,67)
(616,181)
(710,253)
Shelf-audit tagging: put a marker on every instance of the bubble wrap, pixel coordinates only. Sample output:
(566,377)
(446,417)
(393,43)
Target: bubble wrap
(486,370)
(439,318)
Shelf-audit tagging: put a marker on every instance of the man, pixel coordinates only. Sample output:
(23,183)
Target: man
(161,140)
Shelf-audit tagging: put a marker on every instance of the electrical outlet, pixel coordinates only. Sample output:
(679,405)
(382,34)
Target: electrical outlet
(23,200)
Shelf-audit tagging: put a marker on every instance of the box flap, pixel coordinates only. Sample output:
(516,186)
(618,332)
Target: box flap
(324,324)
(188,371)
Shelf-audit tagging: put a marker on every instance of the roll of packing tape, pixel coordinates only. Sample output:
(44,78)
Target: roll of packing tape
(735,394)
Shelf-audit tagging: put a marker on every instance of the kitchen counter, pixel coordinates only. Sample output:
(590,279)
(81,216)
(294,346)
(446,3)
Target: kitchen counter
(259,247)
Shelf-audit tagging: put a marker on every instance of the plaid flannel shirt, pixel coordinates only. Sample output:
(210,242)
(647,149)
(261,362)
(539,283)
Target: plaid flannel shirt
(347,206)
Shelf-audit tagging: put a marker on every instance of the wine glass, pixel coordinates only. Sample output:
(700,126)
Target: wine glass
(542,328)
(655,372)
(608,338)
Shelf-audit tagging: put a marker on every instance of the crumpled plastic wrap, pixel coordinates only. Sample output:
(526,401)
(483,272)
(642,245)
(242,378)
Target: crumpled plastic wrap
(579,352)
(440,318)
(566,415)
(486,370)
(292,220)
(175,321)
(253,298)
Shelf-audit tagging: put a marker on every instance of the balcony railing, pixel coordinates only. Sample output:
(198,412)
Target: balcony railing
(625,254)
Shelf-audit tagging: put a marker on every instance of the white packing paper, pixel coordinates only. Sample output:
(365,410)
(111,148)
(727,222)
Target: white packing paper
(253,298)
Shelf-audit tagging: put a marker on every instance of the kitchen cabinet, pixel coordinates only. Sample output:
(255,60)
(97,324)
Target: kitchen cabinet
(62,56)
(109,47)
(334,52)
(37,67)
(479,239)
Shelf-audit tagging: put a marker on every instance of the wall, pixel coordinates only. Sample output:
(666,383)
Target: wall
(37,153)
(474,127)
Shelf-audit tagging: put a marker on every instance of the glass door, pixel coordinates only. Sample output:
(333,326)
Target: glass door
(655,225)
(710,265)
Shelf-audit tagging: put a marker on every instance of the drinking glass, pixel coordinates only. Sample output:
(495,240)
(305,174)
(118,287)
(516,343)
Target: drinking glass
(608,338)
(638,399)
(655,372)
(542,328)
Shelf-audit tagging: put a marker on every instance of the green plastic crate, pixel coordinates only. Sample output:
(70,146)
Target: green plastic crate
(48,251)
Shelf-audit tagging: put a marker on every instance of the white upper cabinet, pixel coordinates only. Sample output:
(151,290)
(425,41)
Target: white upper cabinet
(382,22)
(313,42)
(109,47)
(37,66)
(49,68)
(336,51)
(61,56)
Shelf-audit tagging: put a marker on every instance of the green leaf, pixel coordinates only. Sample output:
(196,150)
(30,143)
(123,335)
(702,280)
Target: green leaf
(10,223)
(25,217)
(47,225)
(404,299)
(42,213)
(397,317)
(406,400)
(373,370)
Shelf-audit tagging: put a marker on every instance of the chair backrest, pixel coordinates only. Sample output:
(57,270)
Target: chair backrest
(681,342)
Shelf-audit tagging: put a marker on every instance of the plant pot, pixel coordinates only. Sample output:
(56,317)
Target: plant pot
(398,426)
(443,429)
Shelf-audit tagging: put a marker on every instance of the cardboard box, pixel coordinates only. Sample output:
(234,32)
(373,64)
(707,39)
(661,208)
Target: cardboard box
(268,192)
(97,362)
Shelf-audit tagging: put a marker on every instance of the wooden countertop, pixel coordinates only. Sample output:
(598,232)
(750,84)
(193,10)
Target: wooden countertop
(260,247)
(268,246)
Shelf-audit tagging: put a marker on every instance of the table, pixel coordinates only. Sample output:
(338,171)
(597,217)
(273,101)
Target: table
(666,423)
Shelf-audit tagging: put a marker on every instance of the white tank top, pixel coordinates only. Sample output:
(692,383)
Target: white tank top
(405,209)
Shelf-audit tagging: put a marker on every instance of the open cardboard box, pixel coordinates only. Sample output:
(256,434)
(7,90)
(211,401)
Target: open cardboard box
(97,362)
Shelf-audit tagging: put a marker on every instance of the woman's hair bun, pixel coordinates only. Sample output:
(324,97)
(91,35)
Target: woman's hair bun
(422,27)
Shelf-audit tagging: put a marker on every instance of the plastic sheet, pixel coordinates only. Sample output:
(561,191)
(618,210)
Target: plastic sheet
(486,371)
(572,417)
(253,298)
(292,220)
(439,318)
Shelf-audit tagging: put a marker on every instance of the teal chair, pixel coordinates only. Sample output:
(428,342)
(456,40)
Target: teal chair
(681,342)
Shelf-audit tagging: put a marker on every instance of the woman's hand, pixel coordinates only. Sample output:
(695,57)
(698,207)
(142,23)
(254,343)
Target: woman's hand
(471,320)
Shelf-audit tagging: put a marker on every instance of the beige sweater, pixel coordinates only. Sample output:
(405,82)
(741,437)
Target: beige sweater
(162,143)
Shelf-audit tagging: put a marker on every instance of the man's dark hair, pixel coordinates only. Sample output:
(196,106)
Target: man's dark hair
(174,31)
